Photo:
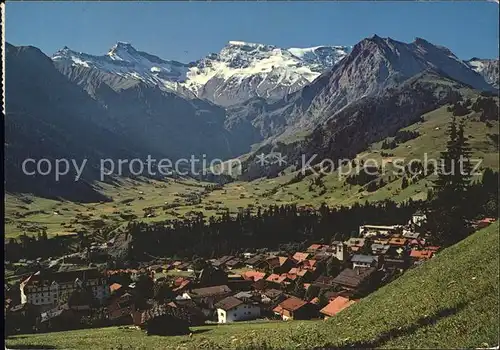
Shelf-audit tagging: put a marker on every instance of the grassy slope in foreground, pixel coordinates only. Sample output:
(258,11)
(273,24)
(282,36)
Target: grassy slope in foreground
(448,302)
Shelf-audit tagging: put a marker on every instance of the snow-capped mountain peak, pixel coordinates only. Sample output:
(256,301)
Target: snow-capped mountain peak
(124,60)
(488,68)
(241,70)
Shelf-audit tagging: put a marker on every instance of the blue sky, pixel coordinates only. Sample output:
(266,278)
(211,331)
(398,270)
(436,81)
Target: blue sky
(187,31)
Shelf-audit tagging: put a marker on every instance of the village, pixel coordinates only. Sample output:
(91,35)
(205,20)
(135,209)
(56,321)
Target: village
(166,296)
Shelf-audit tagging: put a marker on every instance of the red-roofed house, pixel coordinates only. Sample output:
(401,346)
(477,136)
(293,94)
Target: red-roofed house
(299,257)
(309,265)
(295,309)
(315,301)
(253,275)
(421,254)
(114,287)
(296,272)
(280,264)
(278,279)
(314,247)
(397,241)
(182,286)
(485,222)
(433,248)
(335,306)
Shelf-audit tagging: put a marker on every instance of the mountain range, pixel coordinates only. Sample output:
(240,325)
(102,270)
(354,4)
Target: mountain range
(238,72)
(131,103)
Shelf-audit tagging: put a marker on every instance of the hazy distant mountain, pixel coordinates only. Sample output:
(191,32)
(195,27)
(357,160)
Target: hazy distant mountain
(51,116)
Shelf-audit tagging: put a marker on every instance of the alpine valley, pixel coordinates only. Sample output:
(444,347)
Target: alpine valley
(129,103)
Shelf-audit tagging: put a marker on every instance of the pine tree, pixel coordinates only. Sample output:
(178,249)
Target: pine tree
(448,212)
(333,267)
(404,183)
(299,291)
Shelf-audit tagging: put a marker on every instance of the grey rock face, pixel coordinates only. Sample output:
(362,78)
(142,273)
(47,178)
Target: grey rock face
(488,68)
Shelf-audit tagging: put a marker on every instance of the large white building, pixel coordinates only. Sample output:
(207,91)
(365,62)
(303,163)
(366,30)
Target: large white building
(47,288)
(367,231)
(231,309)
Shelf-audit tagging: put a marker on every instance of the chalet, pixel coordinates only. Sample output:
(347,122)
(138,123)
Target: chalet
(416,243)
(335,306)
(278,279)
(410,234)
(360,260)
(421,254)
(240,285)
(120,309)
(46,288)
(295,309)
(295,272)
(215,292)
(309,265)
(315,301)
(313,248)
(382,241)
(253,275)
(254,261)
(222,261)
(232,309)
(299,257)
(356,279)
(280,264)
(380,249)
(186,266)
(260,285)
(324,282)
(234,263)
(397,241)
(272,297)
(212,276)
(394,263)
(206,297)
(131,272)
(322,256)
(355,244)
